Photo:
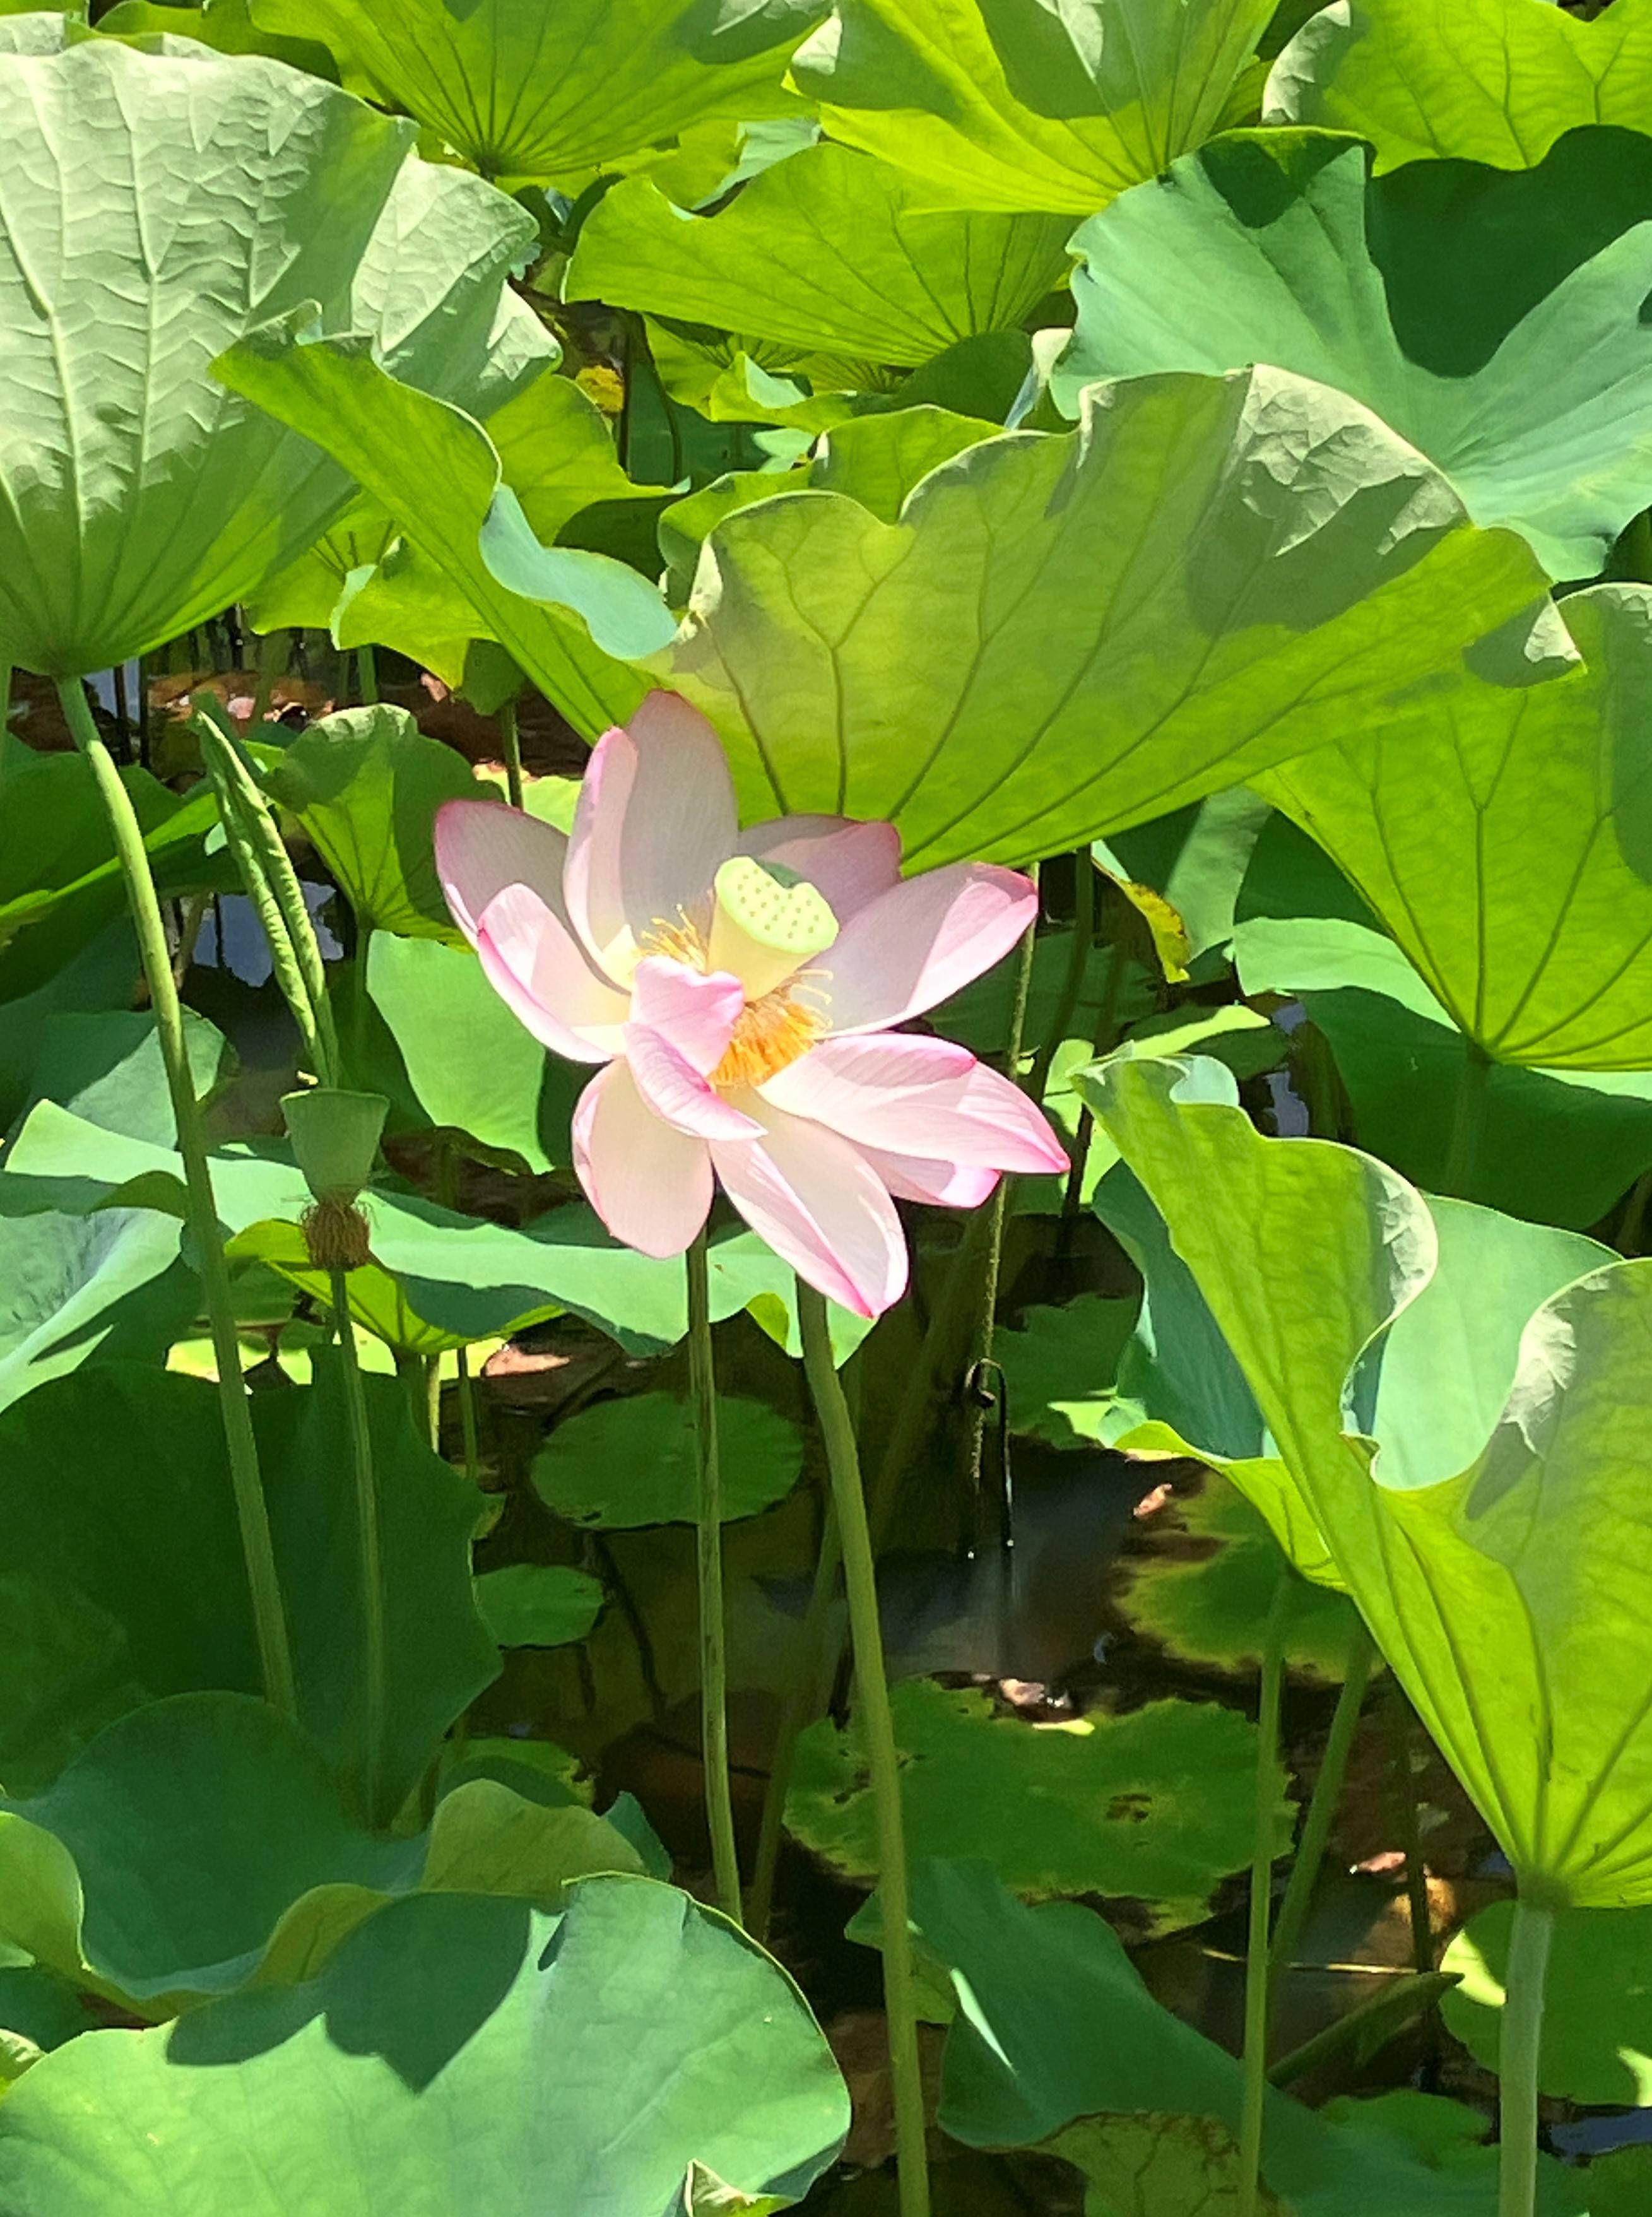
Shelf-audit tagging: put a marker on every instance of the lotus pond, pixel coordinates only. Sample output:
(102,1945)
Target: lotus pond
(826,1088)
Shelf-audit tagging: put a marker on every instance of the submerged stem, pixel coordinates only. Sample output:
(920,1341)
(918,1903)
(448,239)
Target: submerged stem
(1261,1882)
(714,1657)
(1321,1809)
(878,1733)
(375,1667)
(1520,2046)
(252,1512)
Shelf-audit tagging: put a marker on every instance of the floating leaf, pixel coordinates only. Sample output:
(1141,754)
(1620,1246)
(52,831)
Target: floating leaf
(538,1604)
(633,1461)
(1473,1457)
(1064,635)
(538,98)
(1597,2009)
(1061,1365)
(454,2048)
(1202,1581)
(1158,1804)
(1495,80)
(1018,105)
(1162,2165)
(830,251)
(140,497)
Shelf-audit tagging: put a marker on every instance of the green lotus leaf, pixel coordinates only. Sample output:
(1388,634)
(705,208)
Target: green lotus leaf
(1507,845)
(538,1604)
(1060,1367)
(1597,2013)
(536,96)
(88,1290)
(226,25)
(139,497)
(1495,80)
(1195,860)
(1064,635)
(899,285)
(434,470)
(1008,104)
(1619,2184)
(1056,2027)
(1158,1805)
(1472,1456)
(1490,318)
(199,1845)
(365,784)
(1160,2165)
(455,2051)
(1558,1145)
(633,1461)
(1202,1580)
(137,1532)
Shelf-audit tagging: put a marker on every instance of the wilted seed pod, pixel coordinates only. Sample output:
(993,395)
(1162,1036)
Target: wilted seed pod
(335,1137)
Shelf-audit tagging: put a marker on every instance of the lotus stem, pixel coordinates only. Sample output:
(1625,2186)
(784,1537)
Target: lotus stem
(1254,2112)
(1322,1808)
(1519,2048)
(803,1704)
(1078,961)
(878,1731)
(713,1632)
(375,1666)
(467,1424)
(1103,1038)
(510,737)
(1468,1122)
(367,672)
(252,1512)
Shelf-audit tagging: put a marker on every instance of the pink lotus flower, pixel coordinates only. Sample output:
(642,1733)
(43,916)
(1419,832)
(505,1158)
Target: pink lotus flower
(740,988)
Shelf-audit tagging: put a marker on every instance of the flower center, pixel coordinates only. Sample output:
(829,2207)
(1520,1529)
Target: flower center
(767,1035)
(767,923)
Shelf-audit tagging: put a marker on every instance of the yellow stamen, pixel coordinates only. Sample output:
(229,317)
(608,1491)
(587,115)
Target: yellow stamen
(769,1034)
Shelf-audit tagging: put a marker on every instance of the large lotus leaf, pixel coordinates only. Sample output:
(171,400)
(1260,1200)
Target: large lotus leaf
(1503,1586)
(1065,635)
(1158,1805)
(436,472)
(205,194)
(1014,104)
(199,1844)
(369,585)
(1561,1147)
(1492,318)
(136,1533)
(465,1278)
(531,92)
(1506,841)
(365,784)
(226,25)
(1055,2026)
(455,2054)
(830,252)
(80,1289)
(1486,80)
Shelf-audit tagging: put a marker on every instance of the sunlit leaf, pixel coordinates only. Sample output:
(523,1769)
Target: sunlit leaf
(831,251)
(1597,2012)
(454,2049)
(1011,104)
(1491,318)
(1494,81)
(1158,1805)
(206,193)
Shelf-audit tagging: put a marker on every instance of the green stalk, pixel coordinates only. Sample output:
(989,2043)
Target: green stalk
(467,1424)
(366,669)
(510,735)
(1468,1123)
(375,1667)
(1105,1039)
(877,1733)
(1321,1809)
(713,1659)
(251,1510)
(802,1706)
(1261,1881)
(1519,2043)
(1072,985)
